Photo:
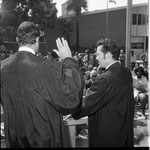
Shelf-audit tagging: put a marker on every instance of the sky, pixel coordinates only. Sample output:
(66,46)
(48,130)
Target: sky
(99,4)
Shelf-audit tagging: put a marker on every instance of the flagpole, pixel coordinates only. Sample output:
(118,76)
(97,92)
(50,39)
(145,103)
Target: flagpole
(107,21)
(128,32)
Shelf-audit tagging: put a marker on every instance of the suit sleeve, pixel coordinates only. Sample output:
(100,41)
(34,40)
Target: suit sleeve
(61,85)
(100,94)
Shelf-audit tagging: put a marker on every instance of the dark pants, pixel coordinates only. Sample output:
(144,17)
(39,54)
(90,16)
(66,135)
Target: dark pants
(143,104)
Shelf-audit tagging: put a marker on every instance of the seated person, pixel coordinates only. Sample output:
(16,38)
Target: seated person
(100,71)
(78,58)
(140,85)
(93,76)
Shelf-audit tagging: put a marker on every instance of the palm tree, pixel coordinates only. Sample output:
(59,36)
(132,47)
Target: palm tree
(77,6)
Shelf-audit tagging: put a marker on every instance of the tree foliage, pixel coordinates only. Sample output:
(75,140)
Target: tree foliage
(14,12)
(77,6)
(67,27)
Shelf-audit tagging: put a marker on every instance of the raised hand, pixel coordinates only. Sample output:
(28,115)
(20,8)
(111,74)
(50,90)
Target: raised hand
(63,49)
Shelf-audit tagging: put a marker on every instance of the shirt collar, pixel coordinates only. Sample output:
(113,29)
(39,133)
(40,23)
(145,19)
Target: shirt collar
(111,64)
(27,49)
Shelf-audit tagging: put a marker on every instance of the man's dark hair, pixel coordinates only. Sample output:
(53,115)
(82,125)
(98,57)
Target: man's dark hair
(139,69)
(54,55)
(109,46)
(82,68)
(27,33)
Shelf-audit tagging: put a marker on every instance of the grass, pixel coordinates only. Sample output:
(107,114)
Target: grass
(141,136)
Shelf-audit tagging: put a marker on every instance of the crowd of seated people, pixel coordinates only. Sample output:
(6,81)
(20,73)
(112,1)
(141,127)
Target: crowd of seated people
(91,71)
(5,52)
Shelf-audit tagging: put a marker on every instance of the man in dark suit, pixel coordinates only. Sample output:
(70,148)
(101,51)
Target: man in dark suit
(36,93)
(109,103)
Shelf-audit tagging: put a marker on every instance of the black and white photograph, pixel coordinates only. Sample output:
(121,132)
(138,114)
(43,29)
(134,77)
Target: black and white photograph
(74,73)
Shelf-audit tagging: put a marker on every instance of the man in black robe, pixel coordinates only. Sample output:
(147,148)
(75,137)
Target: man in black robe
(109,104)
(36,93)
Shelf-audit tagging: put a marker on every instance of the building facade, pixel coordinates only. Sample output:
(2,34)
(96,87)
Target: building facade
(64,9)
(94,25)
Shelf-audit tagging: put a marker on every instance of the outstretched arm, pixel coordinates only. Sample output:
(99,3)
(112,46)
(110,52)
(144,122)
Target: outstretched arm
(63,81)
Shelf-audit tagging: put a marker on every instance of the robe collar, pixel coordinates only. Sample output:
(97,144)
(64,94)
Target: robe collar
(111,64)
(27,49)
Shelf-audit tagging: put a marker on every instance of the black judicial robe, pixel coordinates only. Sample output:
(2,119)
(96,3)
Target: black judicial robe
(35,93)
(110,109)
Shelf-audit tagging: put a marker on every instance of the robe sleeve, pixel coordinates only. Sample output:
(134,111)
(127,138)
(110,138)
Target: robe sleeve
(61,85)
(100,94)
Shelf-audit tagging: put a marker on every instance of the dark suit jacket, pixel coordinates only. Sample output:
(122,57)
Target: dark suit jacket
(110,109)
(35,93)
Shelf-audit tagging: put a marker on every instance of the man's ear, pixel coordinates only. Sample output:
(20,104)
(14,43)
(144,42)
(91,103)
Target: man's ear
(108,55)
(37,39)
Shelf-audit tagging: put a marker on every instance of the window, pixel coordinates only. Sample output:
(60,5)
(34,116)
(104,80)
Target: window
(137,45)
(139,19)
(133,46)
(143,19)
(134,20)
(140,46)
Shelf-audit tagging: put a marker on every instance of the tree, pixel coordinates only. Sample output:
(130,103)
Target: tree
(67,27)
(77,6)
(14,12)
